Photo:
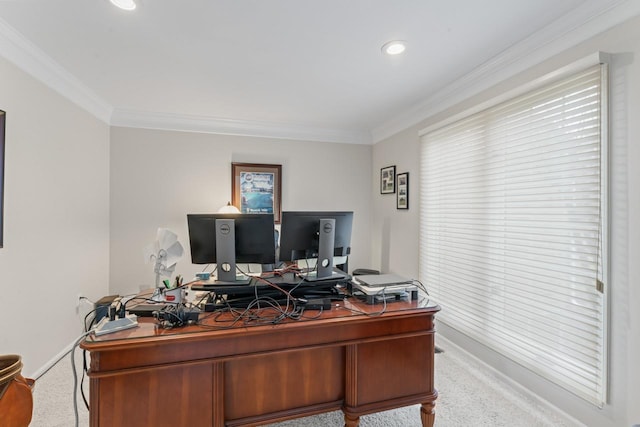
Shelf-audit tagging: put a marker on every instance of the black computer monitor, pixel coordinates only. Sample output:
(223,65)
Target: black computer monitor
(319,234)
(227,239)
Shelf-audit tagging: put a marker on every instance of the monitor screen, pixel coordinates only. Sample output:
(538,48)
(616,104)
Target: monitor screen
(300,234)
(254,237)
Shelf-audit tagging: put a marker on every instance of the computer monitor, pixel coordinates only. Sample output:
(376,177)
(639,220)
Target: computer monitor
(319,234)
(229,238)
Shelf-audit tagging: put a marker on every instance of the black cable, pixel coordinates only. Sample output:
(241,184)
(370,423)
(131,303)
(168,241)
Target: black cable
(88,328)
(262,309)
(140,299)
(84,369)
(311,270)
(204,297)
(420,285)
(254,313)
(75,375)
(378,313)
(215,315)
(317,316)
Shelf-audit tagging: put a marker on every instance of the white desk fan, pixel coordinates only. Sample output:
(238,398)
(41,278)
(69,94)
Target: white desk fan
(165,252)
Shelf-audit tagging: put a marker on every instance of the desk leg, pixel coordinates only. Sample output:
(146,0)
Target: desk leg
(351,421)
(427,414)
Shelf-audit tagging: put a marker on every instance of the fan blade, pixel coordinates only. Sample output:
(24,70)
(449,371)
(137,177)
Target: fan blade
(166,251)
(174,253)
(166,238)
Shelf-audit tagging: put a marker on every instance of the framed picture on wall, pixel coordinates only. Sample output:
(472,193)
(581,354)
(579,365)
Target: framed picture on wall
(257,188)
(388,180)
(402,197)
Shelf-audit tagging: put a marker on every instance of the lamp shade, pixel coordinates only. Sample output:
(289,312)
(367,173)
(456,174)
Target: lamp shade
(228,208)
(124,4)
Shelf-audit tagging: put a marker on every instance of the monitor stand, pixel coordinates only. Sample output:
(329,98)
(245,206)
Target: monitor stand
(324,265)
(226,254)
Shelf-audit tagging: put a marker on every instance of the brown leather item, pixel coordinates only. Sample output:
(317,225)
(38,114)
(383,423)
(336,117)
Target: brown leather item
(16,398)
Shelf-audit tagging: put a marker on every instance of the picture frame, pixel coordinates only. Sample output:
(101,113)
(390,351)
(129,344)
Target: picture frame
(402,197)
(257,188)
(388,180)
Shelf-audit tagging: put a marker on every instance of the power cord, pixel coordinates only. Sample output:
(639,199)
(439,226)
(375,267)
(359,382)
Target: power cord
(75,375)
(420,285)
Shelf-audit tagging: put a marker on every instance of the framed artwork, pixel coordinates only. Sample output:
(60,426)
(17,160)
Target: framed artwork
(402,198)
(2,124)
(388,180)
(257,188)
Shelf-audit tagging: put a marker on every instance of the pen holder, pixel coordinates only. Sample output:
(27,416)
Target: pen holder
(175,295)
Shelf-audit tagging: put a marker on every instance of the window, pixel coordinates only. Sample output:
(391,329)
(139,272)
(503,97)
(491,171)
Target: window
(513,234)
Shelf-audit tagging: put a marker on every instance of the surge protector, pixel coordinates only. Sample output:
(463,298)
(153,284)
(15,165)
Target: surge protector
(106,326)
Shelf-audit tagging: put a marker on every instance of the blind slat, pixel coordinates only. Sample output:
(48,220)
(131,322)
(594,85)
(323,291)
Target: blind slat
(511,234)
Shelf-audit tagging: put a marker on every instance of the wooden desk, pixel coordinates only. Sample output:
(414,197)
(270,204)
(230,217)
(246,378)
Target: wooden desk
(252,375)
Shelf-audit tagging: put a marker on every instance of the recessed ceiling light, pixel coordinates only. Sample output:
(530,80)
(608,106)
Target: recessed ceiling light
(124,4)
(394,47)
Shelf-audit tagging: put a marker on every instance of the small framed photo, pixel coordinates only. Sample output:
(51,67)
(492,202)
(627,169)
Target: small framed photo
(388,180)
(402,198)
(257,188)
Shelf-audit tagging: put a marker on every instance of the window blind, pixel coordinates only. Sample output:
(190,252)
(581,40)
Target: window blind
(512,235)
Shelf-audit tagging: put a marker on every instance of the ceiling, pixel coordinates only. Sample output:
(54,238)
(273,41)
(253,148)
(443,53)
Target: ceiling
(305,69)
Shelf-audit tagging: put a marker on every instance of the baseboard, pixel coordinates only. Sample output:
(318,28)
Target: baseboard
(443,343)
(53,361)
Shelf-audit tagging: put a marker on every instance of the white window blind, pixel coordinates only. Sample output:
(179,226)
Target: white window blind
(512,235)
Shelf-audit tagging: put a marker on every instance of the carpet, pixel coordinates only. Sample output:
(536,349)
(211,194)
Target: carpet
(470,394)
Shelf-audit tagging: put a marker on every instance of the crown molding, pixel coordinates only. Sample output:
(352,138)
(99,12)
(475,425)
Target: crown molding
(569,69)
(577,26)
(562,34)
(26,56)
(225,126)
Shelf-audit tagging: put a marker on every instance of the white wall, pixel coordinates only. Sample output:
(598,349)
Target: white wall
(56,234)
(395,239)
(623,42)
(158,177)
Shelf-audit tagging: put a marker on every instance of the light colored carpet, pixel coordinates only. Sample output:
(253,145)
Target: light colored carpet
(470,394)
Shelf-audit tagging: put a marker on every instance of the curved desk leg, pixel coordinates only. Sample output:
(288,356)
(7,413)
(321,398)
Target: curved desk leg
(427,414)
(351,421)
